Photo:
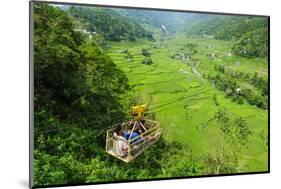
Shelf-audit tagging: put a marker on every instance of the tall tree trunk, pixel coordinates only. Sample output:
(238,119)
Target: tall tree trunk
(218,169)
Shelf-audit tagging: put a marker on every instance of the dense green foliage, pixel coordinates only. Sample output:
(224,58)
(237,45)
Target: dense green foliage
(76,86)
(229,136)
(250,32)
(109,23)
(252,44)
(147,61)
(228,27)
(146,52)
(72,75)
(228,81)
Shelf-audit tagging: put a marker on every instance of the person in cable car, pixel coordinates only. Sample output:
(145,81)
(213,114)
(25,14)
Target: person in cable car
(121,145)
(139,129)
(130,134)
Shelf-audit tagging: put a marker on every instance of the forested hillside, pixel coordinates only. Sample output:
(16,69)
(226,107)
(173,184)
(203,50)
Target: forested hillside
(250,32)
(173,21)
(76,96)
(252,44)
(108,23)
(228,27)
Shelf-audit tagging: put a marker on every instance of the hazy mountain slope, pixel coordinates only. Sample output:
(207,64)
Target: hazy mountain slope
(109,23)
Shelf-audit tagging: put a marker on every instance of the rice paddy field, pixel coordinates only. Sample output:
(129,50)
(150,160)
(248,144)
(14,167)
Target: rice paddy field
(181,99)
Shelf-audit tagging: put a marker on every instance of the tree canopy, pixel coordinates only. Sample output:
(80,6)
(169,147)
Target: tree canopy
(108,23)
(249,33)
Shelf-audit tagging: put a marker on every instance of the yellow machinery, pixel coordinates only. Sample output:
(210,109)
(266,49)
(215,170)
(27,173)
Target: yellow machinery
(138,111)
(151,134)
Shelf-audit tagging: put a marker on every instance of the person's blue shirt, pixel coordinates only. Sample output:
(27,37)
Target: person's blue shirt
(134,135)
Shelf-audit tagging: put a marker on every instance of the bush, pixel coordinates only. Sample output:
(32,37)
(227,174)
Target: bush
(220,68)
(228,92)
(240,100)
(146,52)
(147,61)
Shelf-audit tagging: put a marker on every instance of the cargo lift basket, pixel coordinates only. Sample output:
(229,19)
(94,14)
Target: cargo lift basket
(149,137)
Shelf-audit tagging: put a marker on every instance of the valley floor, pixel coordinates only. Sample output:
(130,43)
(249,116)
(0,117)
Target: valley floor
(181,99)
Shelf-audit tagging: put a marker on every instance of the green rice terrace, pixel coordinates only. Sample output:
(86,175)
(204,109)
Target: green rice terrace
(182,99)
(203,77)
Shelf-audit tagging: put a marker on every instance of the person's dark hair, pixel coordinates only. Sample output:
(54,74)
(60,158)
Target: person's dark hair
(118,128)
(139,128)
(131,125)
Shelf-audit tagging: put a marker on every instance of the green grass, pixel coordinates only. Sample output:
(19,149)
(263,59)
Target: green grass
(181,101)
